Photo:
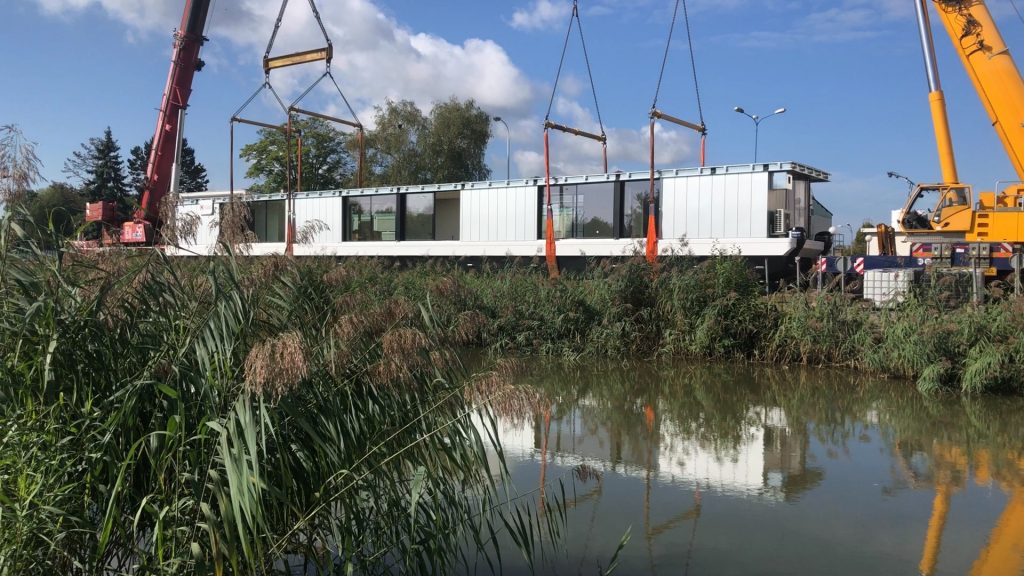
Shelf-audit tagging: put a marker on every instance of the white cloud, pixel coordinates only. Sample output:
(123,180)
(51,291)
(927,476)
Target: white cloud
(381,59)
(540,15)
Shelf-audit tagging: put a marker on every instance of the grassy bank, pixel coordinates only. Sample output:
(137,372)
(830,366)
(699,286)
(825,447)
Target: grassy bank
(700,310)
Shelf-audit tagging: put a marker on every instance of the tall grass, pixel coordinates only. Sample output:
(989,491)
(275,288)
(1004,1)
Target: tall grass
(230,416)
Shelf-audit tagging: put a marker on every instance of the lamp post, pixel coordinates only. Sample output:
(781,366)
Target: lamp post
(508,147)
(757,122)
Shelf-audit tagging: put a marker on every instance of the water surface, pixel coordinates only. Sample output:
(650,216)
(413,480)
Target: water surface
(747,470)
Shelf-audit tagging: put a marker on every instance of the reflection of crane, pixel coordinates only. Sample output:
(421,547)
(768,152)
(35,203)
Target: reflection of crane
(651,532)
(1004,552)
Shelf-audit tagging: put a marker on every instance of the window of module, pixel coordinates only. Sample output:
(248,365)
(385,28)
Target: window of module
(418,216)
(267,220)
(581,210)
(371,218)
(636,207)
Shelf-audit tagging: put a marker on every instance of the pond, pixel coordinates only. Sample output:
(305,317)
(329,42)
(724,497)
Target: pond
(754,470)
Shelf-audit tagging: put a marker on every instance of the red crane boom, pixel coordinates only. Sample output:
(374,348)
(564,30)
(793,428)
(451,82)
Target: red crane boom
(185,62)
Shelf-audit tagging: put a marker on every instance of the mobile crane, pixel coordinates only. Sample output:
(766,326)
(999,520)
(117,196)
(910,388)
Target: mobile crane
(185,62)
(942,220)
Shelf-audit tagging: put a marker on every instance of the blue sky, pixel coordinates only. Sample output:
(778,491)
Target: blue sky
(849,73)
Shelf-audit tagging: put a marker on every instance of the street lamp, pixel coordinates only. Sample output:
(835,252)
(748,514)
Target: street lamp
(757,122)
(910,183)
(508,147)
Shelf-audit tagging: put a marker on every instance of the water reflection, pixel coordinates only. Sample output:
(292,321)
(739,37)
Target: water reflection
(739,470)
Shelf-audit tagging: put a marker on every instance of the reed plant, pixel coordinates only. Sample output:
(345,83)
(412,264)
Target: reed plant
(238,416)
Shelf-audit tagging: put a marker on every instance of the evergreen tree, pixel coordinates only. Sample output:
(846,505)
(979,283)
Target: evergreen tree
(98,165)
(193,174)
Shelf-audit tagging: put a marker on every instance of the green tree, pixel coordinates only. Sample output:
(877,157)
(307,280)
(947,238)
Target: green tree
(193,174)
(860,245)
(455,144)
(407,147)
(393,154)
(326,161)
(98,165)
(59,205)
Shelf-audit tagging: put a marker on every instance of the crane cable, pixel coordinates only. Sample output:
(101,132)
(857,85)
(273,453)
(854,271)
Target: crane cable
(586,58)
(549,246)
(652,234)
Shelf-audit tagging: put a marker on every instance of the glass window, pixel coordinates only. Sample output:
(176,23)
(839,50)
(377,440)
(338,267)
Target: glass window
(371,217)
(595,210)
(635,203)
(267,220)
(419,216)
(580,210)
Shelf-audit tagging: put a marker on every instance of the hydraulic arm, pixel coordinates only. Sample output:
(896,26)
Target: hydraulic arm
(948,210)
(185,63)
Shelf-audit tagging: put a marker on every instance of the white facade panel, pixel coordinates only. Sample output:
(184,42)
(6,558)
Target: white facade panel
(704,214)
(759,205)
(498,213)
(692,186)
(730,207)
(715,206)
(670,200)
(329,210)
(744,201)
(719,187)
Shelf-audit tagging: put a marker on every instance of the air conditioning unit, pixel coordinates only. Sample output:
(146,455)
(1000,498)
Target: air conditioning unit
(780,222)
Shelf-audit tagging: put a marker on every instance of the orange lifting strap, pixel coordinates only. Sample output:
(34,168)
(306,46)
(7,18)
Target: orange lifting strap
(655,115)
(549,244)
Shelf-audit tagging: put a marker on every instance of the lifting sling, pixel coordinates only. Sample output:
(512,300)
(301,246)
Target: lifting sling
(271,63)
(656,114)
(549,244)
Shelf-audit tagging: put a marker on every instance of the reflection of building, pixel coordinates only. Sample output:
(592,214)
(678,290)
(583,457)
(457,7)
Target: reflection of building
(766,458)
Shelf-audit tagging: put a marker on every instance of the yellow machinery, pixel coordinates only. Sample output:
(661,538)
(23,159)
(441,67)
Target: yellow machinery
(947,211)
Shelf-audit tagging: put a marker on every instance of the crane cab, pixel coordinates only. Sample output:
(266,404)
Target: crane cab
(938,208)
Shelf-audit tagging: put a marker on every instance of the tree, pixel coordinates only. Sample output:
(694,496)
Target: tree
(407,147)
(326,161)
(19,165)
(860,245)
(394,156)
(58,204)
(456,142)
(98,165)
(193,176)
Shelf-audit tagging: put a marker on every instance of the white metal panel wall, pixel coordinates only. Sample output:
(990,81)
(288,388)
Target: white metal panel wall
(499,214)
(715,206)
(206,232)
(759,205)
(330,211)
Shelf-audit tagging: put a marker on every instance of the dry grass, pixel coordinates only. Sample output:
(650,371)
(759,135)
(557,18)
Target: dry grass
(497,390)
(177,229)
(469,328)
(276,366)
(233,230)
(404,343)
